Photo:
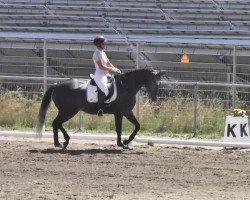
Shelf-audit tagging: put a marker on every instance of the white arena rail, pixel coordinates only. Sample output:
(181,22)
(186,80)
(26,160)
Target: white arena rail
(145,140)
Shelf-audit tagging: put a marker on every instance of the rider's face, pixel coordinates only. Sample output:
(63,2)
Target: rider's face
(102,45)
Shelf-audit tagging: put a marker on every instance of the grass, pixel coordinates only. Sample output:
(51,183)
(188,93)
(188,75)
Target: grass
(172,117)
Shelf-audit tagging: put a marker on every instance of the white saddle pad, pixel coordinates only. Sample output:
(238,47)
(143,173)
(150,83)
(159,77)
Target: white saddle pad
(92,96)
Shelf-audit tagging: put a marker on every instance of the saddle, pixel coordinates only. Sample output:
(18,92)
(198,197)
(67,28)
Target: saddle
(93,89)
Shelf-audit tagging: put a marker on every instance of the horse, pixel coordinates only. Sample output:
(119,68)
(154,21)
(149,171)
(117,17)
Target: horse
(69,98)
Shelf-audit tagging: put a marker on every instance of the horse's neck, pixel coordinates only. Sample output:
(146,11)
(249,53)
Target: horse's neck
(133,83)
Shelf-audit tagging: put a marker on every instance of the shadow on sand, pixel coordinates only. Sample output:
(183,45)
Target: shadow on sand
(84,151)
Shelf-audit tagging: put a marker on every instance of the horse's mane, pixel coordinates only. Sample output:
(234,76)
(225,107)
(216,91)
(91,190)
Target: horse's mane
(138,73)
(139,70)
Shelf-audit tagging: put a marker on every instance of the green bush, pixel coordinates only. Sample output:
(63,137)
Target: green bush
(171,117)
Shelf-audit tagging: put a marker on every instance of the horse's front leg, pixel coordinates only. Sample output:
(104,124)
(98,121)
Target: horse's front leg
(118,126)
(130,116)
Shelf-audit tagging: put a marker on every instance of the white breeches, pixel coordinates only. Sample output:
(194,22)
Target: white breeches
(102,82)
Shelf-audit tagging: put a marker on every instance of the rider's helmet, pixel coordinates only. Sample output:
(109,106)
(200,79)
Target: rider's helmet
(99,40)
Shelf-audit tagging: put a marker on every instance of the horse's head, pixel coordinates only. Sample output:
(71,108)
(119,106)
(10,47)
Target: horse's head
(152,83)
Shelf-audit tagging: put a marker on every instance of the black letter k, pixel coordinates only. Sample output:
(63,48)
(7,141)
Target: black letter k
(242,130)
(230,129)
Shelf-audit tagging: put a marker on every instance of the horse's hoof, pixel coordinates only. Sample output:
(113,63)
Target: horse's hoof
(58,145)
(64,148)
(65,144)
(120,145)
(125,142)
(127,147)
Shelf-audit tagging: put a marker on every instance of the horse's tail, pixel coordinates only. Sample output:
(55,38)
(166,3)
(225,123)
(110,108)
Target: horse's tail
(43,110)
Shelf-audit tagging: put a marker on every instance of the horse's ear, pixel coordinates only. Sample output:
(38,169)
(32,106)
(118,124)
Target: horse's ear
(160,74)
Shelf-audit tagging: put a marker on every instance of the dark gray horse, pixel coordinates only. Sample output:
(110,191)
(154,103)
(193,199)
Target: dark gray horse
(69,98)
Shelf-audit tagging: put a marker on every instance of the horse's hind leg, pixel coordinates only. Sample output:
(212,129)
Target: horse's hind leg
(66,137)
(57,124)
(130,116)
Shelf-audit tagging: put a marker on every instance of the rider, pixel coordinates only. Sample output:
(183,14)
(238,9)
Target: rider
(102,68)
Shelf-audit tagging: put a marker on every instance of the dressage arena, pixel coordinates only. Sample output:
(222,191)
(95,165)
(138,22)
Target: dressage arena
(33,169)
(46,42)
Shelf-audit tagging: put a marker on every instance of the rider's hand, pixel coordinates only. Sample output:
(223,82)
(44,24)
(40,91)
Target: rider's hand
(114,69)
(118,71)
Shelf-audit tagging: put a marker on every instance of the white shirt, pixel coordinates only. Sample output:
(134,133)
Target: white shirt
(100,55)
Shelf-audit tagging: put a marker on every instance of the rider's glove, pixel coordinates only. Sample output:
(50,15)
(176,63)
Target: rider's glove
(114,69)
(118,71)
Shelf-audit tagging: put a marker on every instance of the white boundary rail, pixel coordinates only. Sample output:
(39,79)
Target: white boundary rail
(146,140)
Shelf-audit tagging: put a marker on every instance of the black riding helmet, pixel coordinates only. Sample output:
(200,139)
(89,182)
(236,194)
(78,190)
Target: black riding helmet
(98,40)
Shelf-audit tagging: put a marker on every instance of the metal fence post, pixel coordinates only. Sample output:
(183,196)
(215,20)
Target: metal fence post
(80,121)
(195,110)
(138,95)
(45,71)
(234,76)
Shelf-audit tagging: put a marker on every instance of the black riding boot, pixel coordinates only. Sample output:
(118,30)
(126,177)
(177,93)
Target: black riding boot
(101,104)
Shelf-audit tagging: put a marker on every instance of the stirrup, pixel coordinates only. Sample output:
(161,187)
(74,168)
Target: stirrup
(100,112)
